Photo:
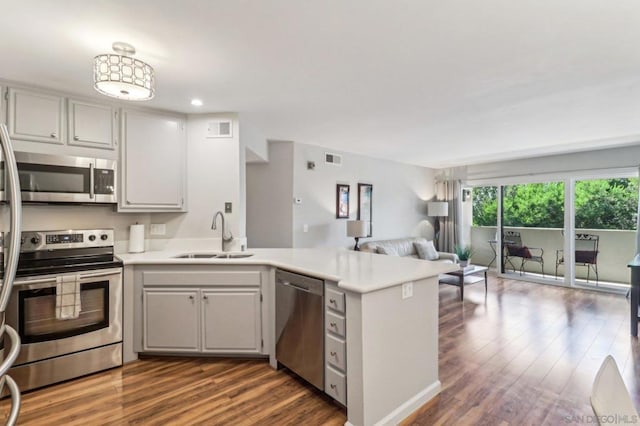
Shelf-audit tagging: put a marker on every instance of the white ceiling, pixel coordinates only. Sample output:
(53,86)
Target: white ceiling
(435,83)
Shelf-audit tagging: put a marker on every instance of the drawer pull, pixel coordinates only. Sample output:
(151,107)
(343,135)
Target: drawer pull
(53,135)
(76,138)
(333,324)
(333,353)
(332,386)
(332,301)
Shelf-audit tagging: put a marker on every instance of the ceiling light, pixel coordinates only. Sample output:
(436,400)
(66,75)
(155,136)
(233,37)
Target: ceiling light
(196,102)
(123,77)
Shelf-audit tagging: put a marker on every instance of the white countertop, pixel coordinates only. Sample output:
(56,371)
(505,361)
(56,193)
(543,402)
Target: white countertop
(354,271)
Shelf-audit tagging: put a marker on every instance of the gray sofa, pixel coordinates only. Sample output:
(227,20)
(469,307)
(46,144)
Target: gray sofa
(405,247)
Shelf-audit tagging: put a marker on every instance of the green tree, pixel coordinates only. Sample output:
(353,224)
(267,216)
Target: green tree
(600,204)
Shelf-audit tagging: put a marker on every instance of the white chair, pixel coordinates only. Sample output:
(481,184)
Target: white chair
(609,395)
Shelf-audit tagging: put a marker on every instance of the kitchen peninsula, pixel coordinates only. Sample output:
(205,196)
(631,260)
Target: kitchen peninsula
(388,306)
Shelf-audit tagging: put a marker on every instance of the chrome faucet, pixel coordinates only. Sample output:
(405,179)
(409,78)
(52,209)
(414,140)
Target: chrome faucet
(213,226)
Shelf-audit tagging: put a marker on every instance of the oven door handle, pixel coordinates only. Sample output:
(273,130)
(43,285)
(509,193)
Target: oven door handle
(36,281)
(98,274)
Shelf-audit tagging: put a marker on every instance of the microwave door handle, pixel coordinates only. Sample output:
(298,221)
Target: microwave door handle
(15,199)
(91,181)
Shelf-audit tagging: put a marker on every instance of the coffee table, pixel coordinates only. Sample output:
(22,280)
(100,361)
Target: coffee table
(460,274)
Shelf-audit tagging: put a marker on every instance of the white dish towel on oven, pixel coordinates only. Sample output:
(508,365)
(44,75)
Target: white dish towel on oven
(67,297)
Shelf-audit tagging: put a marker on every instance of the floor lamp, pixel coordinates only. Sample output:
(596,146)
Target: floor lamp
(437,209)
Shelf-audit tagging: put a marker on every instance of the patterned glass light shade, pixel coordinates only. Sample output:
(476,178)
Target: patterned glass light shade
(123,77)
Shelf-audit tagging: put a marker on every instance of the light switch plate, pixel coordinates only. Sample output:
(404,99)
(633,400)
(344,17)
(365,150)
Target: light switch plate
(227,207)
(157,229)
(407,290)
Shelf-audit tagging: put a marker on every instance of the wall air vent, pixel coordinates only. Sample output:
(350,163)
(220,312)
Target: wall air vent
(220,129)
(333,158)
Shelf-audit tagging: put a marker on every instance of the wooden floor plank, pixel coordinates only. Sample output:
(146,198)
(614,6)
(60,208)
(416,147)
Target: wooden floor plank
(523,354)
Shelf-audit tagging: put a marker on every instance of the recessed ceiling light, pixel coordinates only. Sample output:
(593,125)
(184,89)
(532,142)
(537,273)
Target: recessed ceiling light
(196,102)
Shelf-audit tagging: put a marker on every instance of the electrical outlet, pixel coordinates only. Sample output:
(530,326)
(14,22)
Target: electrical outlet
(227,207)
(407,290)
(157,229)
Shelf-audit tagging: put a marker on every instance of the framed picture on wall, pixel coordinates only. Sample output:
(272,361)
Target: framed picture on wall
(365,208)
(342,201)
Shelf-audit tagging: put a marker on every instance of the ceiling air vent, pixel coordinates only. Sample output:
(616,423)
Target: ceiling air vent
(333,158)
(219,129)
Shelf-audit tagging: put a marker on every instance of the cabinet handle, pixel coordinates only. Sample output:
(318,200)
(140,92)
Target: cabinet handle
(332,301)
(333,324)
(191,297)
(205,297)
(54,135)
(332,386)
(76,138)
(333,353)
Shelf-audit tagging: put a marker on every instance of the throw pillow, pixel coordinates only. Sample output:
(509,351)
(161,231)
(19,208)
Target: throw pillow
(426,250)
(387,250)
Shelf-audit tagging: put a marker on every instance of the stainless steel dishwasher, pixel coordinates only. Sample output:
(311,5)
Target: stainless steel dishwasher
(300,325)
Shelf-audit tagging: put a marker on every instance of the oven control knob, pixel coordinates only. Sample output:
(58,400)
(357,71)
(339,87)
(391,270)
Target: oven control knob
(104,237)
(92,237)
(35,240)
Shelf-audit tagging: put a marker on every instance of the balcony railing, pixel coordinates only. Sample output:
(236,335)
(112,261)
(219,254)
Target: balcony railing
(616,247)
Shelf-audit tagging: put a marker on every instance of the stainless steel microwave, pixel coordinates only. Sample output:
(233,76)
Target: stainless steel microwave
(61,179)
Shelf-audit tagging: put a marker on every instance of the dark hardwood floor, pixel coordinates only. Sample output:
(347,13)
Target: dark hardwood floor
(524,354)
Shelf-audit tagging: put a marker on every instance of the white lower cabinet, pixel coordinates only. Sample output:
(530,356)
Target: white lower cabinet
(231,320)
(201,311)
(171,320)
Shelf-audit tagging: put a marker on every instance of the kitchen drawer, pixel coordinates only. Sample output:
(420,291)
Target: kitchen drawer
(335,324)
(200,278)
(335,385)
(335,353)
(334,300)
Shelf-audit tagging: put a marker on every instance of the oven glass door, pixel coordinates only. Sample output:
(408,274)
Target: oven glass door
(39,314)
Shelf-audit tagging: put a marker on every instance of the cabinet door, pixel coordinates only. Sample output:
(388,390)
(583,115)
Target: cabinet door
(36,116)
(171,320)
(231,320)
(91,124)
(152,157)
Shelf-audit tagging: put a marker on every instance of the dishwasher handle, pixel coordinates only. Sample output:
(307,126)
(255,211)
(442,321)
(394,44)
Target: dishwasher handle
(300,282)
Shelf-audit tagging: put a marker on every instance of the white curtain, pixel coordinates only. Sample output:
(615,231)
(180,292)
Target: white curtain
(448,189)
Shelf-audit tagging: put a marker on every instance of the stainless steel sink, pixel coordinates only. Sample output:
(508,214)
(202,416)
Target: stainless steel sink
(213,256)
(196,256)
(234,255)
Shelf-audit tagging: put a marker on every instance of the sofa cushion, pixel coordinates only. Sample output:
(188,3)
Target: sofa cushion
(426,250)
(389,250)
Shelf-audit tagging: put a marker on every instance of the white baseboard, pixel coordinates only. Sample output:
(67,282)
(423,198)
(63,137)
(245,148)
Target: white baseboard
(409,406)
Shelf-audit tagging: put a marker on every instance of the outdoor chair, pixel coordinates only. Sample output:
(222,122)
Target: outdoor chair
(515,249)
(586,254)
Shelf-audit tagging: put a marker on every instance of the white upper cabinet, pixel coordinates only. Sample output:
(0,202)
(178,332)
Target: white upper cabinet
(152,162)
(36,116)
(92,125)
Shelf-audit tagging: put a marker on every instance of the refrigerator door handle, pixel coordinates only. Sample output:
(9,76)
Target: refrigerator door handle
(15,200)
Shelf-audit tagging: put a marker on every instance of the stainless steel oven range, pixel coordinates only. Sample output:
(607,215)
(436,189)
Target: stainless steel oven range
(66,305)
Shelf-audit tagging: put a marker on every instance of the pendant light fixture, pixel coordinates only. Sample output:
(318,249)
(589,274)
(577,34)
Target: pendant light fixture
(121,76)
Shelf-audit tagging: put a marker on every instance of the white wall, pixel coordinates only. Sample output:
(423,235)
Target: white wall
(586,160)
(400,193)
(269,198)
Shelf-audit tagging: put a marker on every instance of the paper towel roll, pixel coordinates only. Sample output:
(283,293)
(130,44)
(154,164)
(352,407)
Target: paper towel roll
(136,238)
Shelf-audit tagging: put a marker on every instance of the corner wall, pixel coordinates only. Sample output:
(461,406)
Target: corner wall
(400,193)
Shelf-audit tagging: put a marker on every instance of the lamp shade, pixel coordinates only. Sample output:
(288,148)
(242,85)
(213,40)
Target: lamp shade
(437,208)
(357,228)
